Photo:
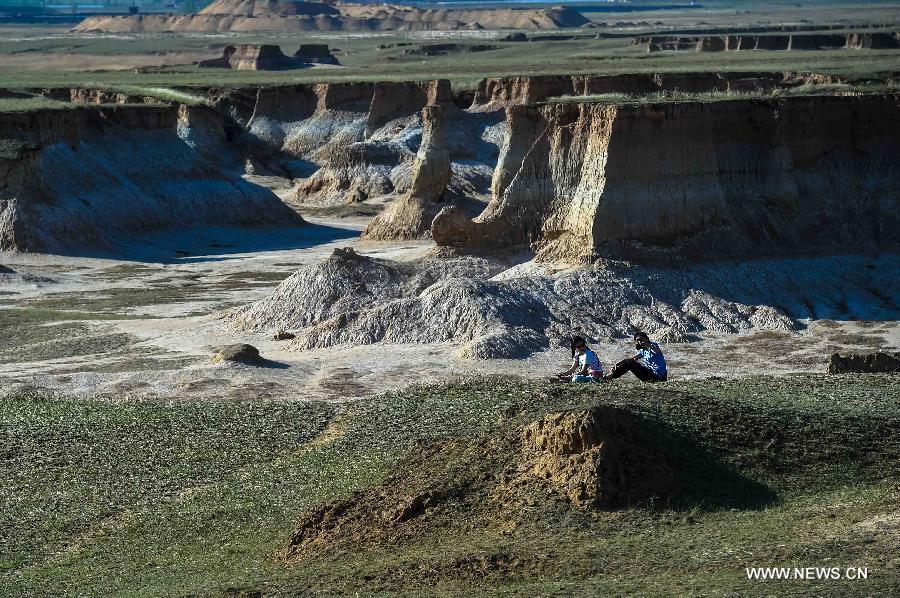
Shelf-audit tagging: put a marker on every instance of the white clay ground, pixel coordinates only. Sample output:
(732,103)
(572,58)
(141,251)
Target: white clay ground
(147,323)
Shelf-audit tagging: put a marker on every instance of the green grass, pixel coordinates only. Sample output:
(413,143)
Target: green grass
(363,60)
(137,498)
(30,104)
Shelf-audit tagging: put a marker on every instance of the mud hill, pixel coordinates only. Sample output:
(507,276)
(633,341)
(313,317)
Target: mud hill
(287,16)
(590,460)
(563,478)
(82,177)
(488,308)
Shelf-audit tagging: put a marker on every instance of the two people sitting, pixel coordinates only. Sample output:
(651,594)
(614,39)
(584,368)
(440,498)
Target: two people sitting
(648,364)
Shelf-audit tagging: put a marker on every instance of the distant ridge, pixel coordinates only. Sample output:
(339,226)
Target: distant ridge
(287,16)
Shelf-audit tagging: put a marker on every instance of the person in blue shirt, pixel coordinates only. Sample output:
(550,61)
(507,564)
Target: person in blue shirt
(586,365)
(649,364)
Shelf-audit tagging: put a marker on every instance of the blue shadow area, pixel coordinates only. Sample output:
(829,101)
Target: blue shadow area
(218,243)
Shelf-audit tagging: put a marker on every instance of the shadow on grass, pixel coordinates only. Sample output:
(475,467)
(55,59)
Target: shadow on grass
(705,481)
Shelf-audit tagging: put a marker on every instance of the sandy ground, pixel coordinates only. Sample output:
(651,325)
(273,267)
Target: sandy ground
(169,291)
(166,292)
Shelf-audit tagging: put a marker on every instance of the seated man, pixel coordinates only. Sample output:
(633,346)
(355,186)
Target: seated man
(648,365)
(586,365)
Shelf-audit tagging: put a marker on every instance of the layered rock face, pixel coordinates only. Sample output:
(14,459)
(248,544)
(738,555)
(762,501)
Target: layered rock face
(266,57)
(693,180)
(410,216)
(722,43)
(498,92)
(266,15)
(84,177)
(355,141)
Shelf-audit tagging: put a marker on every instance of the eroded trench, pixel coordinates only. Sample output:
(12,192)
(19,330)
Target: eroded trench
(484,229)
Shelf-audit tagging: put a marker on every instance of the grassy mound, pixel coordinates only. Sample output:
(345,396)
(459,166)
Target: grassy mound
(438,490)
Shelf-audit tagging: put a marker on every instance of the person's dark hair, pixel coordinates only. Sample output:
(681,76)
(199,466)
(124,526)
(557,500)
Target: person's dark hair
(641,334)
(577,340)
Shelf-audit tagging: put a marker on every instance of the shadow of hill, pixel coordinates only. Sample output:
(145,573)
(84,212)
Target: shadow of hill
(218,243)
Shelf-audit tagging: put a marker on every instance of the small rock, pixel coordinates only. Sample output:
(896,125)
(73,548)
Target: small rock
(283,335)
(862,363)
(240,353)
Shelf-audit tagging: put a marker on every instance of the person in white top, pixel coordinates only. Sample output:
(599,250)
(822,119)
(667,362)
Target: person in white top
(586,366)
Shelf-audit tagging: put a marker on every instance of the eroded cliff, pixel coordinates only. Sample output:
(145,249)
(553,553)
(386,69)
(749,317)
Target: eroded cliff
(82,177)
(692,180)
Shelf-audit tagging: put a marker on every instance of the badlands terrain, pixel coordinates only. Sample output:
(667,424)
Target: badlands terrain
(409,239)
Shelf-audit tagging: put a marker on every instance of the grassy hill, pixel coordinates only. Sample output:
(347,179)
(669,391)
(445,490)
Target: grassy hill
(148,498)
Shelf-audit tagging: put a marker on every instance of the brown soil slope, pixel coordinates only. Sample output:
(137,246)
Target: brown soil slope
(579,461)
(256,15)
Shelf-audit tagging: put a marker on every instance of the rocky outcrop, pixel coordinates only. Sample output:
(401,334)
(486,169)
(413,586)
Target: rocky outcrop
(864,363)
(362,139)
(316,54)
(267,57)
(410,216)
(499,92)
(715,180)
(807,41)
(88,176)
(285,17)
(395,100)
(240,353)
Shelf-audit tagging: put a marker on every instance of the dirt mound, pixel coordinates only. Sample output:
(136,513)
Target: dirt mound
(488,308)
(869,363)
(599,459)
(240,353)
(285,17)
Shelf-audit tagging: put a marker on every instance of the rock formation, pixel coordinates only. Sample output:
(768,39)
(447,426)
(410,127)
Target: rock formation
(84,176)
(499,92)
(364,138)
(720,179)
(804,41)
(266,57)
(316,54)
(410,216)
(864,363)
(286,17)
